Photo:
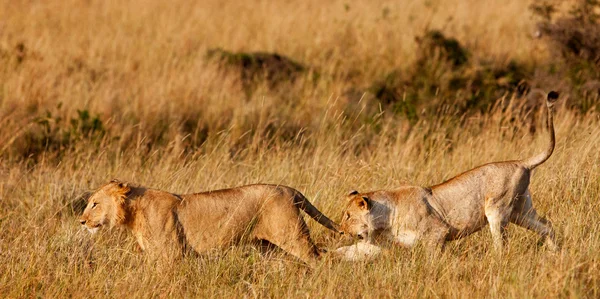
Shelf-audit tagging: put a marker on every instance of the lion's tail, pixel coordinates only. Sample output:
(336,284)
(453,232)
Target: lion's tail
(314,213)
(540,158)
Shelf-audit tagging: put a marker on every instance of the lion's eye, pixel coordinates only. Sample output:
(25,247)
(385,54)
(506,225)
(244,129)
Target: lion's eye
(94,205)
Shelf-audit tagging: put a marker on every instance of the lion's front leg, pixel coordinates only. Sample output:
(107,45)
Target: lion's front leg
(162,251)
(435,235)
(498,218)
(159,244)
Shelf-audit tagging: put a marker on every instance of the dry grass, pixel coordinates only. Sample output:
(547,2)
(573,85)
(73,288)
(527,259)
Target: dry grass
(174,122)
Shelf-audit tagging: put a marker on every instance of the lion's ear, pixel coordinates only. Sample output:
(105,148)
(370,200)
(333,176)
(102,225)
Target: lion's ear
(120,189)
(123,188)
(365,203)
(353,192)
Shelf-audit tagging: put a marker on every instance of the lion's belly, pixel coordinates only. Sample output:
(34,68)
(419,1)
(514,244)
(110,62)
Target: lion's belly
(462,225)
(461,206)
(465,218)
(219,235)
(220,228)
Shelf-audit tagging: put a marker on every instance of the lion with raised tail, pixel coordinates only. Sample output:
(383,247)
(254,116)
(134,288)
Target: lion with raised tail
(496,194)
(167,224)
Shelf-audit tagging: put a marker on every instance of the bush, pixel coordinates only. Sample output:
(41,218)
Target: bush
(445,79)
(574,42)
(51,133)
(258,66)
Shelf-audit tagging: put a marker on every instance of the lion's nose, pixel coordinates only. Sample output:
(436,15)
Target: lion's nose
(82,221)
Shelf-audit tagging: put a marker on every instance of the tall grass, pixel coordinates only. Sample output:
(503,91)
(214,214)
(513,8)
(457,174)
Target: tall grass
(96,90)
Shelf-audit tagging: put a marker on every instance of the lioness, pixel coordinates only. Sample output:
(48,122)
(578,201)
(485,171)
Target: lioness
(495,193)
(165,223)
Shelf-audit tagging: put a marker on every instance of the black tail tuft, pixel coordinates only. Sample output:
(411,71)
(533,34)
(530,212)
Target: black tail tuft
(552,96)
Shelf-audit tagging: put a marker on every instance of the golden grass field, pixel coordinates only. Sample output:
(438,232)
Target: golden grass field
(172,121)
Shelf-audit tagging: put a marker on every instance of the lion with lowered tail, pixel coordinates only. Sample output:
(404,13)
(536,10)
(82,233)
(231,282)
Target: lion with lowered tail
(166,224)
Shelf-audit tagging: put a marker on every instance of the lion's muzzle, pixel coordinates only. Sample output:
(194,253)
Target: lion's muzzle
(363,235)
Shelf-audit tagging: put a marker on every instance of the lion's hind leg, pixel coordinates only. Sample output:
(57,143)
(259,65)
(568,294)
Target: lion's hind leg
(290,234)
(526,216)
(298,243)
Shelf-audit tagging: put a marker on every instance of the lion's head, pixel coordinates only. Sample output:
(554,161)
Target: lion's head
(356,218)
(106,206)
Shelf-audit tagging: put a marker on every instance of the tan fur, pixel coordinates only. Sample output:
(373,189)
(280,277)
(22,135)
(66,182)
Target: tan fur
(494,193)
(358,252)
(166,224)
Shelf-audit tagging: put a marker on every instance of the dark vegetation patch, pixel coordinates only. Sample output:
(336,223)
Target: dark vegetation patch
(49,133)
(17,55)
(574,43)
(446,79)
(435,44)
(254,67)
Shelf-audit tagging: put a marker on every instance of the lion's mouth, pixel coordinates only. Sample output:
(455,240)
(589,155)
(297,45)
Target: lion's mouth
(93,228)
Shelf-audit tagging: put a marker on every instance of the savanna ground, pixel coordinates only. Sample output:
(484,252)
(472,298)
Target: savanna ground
(376,94)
